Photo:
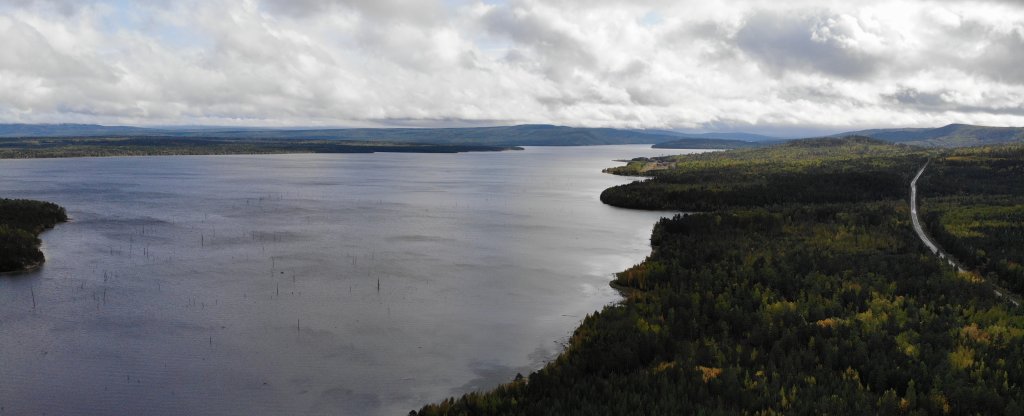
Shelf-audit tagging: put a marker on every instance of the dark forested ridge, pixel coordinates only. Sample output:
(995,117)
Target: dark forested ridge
(783,297)
(21,221)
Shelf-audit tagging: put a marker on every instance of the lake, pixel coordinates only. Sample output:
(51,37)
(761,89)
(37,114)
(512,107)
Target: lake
(306,284)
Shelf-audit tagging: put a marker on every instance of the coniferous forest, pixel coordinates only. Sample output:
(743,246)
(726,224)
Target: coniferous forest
(801,288)
(21,221)
(975,210)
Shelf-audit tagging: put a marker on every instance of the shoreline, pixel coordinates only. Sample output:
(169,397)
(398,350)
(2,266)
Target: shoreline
(65,147)
(145,153)
(26,269)
(626,295)
(766,274)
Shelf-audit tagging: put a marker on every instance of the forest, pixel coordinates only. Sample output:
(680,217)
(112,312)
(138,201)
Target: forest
(800,288)
(21,221)
(805,171)
(974,208)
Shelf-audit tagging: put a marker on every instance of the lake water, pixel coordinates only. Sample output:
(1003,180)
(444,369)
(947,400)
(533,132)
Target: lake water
(306,284)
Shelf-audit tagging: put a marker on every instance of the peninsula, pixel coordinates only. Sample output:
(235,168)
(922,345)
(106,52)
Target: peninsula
(21,222)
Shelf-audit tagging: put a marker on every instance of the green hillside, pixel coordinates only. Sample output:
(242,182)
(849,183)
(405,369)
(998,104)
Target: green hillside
(953,135)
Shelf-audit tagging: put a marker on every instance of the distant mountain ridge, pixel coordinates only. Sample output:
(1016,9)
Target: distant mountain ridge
(740,136)
(698,143)
(953,135)
(728,140)
(520,135)
(69,130)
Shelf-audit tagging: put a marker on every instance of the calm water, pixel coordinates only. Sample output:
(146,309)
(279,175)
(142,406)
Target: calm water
(249,284)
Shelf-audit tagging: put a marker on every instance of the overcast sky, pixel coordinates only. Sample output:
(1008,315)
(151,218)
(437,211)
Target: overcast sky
(707,65)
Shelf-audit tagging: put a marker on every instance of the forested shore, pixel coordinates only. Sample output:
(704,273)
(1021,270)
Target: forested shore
(800,288)
(21,222)
(61,147)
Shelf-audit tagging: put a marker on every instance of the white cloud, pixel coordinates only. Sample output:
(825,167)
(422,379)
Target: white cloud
(713,64)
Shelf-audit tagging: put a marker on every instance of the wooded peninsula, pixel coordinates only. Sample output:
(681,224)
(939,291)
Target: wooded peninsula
(21,222)
(801,288)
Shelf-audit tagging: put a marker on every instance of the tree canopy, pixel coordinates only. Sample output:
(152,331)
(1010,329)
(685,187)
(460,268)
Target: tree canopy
(21,221)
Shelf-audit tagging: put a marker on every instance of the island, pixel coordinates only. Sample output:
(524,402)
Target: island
(21,222)
(796,284)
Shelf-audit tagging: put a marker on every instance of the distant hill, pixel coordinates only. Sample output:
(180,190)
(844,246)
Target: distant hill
(70,130)
(746,137)
(953,135)
(697,143)
(521,135)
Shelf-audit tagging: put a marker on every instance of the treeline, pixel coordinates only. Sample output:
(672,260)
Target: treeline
(52,147)
(21,221)
(825,307)
(806,172)
(975,210)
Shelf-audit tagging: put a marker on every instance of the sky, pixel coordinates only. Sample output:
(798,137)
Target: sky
(793,67)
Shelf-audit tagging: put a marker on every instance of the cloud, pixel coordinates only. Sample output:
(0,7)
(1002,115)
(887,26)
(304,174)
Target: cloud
(835,44)
(1001,58)
(64,7)
(715,64)
(423,11)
